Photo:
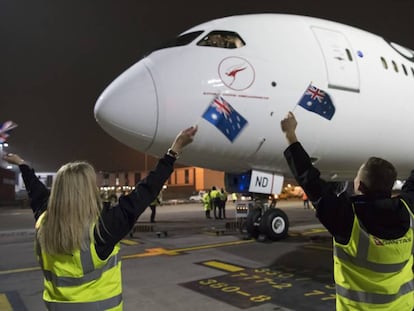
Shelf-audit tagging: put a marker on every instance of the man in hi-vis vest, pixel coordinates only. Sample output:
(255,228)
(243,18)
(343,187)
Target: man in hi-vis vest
(372,231)
(77,237)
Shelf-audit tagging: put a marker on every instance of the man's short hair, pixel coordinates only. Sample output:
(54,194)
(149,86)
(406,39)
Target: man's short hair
(378,175)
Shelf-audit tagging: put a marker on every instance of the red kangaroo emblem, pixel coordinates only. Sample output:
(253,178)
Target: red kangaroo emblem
(233,73)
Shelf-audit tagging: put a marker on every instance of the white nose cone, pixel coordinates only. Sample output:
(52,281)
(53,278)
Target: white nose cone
(127,109)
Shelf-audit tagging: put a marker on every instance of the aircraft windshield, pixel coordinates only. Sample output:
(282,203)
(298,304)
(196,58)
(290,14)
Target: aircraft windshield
(181,40)
(222,39)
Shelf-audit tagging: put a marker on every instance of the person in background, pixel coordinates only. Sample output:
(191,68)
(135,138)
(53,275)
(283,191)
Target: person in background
(153,207)
(305,200)
(373,232)
(77,238)
(234,197)
(223,200)
(207,203)
(215,201)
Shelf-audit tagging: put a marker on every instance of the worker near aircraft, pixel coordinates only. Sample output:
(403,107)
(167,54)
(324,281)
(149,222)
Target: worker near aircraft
(77,238)
(207,202)
(215,201)
(153,207)
(372,231)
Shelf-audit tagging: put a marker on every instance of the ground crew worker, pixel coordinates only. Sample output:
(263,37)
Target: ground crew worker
(207,203)
(153,207)
(234,197)
(372,231)
(223,200)
(215,201)
(77,239)
(305,200)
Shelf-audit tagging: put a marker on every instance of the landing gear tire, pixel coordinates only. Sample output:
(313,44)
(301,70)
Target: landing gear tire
(274,224)
(253,222)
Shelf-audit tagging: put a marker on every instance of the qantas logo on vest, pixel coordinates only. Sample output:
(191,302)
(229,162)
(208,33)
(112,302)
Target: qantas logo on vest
(381,242)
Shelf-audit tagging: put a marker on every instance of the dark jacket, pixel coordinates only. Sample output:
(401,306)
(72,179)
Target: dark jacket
(117,221)
(382,216)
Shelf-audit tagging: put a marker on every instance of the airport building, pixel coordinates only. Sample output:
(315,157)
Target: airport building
(183,182)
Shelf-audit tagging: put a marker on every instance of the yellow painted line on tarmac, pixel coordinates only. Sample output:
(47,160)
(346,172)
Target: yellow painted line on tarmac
(195,248)
(314,230)
(322,248)
(178,251)
(4,303)
(19,270)
(222,266)
(129,242)
(152,252)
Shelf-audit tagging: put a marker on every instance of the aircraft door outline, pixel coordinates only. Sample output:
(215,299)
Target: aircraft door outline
(342,69)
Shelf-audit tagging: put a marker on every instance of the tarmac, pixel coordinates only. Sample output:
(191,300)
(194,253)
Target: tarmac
(187,262)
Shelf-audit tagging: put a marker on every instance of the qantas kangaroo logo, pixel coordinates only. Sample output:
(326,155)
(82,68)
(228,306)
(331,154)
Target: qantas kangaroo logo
(236,73)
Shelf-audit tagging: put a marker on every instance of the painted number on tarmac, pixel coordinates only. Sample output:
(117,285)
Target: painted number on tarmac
(283,286)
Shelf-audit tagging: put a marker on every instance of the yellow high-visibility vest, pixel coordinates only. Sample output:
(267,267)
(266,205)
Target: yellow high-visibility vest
(156,201)
(373,273)
(207,201)
(214,194)
(81,281)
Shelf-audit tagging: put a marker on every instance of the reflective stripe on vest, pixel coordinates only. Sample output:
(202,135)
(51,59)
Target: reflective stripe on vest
(89,271)
(63,281)
(85,306)
(360,260)
(374,298)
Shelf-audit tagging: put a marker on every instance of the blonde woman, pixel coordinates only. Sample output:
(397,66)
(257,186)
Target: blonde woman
(78,238)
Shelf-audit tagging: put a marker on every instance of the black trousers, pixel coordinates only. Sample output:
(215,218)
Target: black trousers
(153,208)
(216,208)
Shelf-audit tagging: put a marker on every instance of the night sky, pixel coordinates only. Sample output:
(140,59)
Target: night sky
(56,57)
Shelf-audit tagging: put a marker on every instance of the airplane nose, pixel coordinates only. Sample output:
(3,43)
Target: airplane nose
(127,109)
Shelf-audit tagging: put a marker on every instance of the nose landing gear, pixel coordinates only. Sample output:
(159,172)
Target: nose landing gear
(262,221)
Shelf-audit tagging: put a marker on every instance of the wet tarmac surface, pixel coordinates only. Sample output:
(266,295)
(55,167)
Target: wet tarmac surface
(186,262)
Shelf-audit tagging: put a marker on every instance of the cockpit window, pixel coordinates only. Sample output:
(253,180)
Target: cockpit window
(222,39)
(182,40)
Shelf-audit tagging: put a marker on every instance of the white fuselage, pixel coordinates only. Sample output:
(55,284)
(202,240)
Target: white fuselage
(171,88)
